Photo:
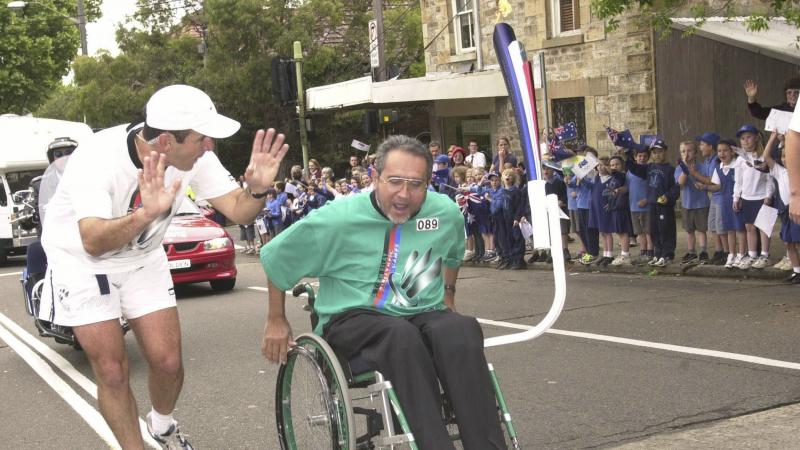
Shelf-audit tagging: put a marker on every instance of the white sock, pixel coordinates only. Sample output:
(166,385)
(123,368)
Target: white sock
(730,258)
(796,269)
(158,422)
(765,254)
(752,254)
(625,253)
(608,254)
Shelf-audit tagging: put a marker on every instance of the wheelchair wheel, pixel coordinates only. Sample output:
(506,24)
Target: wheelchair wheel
(312,405)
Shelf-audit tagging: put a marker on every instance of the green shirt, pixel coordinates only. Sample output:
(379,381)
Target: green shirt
(362,260)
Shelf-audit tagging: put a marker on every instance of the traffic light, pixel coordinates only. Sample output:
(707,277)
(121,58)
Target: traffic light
(388,117)
(284,81)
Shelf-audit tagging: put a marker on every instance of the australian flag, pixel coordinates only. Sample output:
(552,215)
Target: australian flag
(622,138)
(566,132)
(557,151)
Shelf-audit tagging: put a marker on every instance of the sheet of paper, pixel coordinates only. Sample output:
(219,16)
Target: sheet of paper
(584,167)
(778,121)
(765,220)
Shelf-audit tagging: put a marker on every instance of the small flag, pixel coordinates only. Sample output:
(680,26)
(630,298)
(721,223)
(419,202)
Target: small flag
(557,151)
(566,132)
(358,145)
(622,138)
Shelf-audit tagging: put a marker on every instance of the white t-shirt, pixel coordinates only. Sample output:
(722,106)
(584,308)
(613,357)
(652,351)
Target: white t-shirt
(782,177)
(101,181)
(794,125)
(477,159)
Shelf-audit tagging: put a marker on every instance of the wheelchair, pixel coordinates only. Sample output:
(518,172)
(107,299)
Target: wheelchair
(319,395)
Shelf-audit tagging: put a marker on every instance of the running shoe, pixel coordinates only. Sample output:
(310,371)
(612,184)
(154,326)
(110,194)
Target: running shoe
(730,261)
(621,260)
(703,257)
(689,258)
(588,259)
(744,263)
(468,255)
(760,262)
(783,264)
(173,439)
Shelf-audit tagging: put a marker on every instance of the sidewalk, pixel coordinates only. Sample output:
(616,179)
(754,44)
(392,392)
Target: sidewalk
(777,250)
(777,428)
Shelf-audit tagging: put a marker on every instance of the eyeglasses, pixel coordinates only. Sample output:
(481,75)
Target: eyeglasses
(793,92)
(397,183)
(59,153)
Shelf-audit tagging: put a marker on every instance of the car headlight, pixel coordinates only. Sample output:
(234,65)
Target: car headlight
(216,243)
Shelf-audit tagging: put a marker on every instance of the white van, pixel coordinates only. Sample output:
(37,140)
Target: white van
(23,156)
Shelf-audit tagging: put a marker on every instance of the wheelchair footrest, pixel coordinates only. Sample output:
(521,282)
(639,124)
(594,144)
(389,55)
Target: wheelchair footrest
(374,422)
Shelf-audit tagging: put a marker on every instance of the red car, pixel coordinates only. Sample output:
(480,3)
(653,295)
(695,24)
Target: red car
(199,249)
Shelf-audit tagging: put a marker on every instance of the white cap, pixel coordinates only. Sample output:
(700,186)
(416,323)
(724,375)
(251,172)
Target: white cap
(182,107)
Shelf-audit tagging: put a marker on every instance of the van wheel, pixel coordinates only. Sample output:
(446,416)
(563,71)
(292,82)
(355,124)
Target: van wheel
(223,285)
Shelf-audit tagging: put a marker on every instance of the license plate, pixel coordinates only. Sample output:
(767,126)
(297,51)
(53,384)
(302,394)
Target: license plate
(179,264)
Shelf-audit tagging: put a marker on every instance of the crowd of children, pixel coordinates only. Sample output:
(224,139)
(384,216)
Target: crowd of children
(635,193)
(721,185)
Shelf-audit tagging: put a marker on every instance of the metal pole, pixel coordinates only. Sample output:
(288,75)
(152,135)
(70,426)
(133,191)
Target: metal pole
(301,103)
(82,28)
(544,92)
(377,6)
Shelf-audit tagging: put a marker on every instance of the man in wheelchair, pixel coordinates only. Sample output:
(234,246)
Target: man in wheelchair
(387,263)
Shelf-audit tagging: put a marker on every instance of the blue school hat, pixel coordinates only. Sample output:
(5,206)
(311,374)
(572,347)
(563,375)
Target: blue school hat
(492,174)
(746,129)
(442,159)
(658,143)
(709,138)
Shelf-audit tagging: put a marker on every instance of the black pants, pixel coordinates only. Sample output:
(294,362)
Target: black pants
(412,352)
(509,242)
(589,236)
(663,232)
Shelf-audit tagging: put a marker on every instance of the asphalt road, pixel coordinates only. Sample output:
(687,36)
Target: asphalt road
(564,390)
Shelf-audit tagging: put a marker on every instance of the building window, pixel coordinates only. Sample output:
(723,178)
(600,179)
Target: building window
(464,33)
(566,110)
(565,17)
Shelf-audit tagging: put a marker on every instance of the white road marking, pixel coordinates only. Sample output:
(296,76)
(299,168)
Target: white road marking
(75,401)
(68,369)
(10,274)
(668,347)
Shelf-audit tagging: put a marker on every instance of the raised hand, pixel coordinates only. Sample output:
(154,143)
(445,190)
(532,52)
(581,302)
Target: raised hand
(156,198)
(265,159)
(751,89)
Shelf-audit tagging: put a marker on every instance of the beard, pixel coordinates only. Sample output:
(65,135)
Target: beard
(395,218)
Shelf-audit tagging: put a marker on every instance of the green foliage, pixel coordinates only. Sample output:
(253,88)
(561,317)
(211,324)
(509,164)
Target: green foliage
(660,13)
(37,45)
(226,47)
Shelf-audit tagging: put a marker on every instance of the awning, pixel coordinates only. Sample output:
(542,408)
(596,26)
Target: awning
(363,92)
(779,41)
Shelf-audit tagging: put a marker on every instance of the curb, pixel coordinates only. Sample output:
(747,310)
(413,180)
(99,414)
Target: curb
(673,269)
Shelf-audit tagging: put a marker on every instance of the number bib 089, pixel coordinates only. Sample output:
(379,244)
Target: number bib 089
(427,224)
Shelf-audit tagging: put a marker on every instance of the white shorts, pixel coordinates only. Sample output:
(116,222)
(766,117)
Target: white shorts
(72,297)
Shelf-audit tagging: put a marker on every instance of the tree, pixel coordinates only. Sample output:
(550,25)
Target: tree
(226,48)
(37,45)
(660,13)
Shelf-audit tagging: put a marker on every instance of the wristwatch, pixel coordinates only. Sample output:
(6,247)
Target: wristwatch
(450,287)
(255,195)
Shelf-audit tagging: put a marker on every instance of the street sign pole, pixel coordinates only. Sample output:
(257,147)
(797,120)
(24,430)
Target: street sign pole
(301,103)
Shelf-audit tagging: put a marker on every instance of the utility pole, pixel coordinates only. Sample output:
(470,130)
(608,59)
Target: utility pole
(301,102)
(377,6)
(82,28)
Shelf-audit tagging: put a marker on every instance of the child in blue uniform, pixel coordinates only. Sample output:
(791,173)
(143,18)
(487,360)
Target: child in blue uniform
(620,211)
(505,207)
(605,189)
(589,236)
(663,194)
(790,231)
(638,196)
(722,181)
(695,205)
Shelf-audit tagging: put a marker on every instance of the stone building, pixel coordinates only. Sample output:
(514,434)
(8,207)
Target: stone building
(594,77)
